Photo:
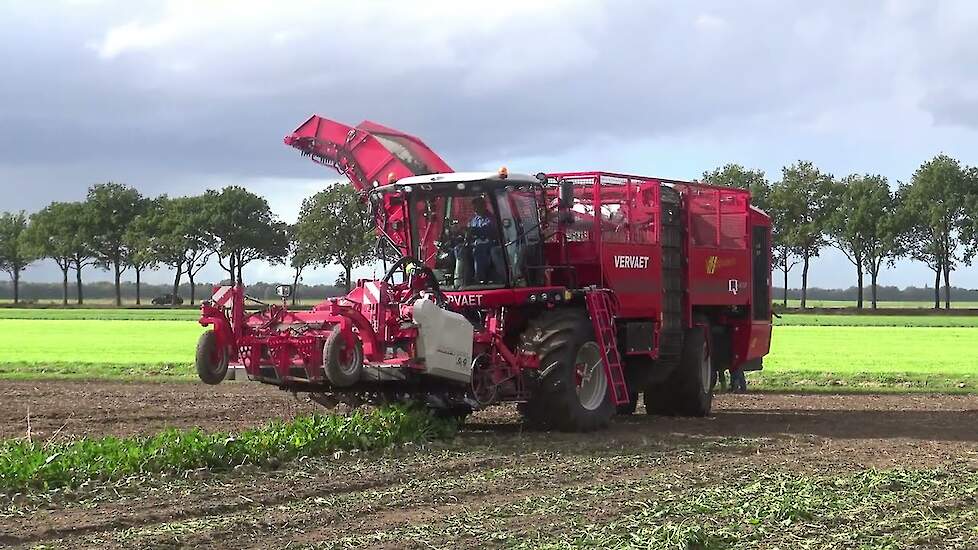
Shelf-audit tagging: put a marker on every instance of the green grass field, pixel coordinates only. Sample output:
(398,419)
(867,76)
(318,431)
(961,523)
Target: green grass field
(808,351)
(97,348)
(874,349)
(881,304)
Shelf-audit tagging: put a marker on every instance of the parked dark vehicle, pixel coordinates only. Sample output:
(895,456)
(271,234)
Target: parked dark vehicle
(167,300)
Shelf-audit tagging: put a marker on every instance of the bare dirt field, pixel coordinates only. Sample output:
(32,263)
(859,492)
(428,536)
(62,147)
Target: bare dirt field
(768,470)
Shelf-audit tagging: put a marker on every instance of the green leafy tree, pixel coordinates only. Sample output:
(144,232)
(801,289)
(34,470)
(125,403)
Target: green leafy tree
(138,240)
(299,259)
(887,243)
(112,209)
(81,244)
(803,209)
(859,208)
(784,253)
(54,233)
(968,230)
(244,229)
(735,175)
(176,236)
(934,213)
(16,253)
(334,225)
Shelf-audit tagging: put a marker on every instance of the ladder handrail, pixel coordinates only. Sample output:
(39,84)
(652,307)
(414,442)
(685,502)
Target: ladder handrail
(600,304)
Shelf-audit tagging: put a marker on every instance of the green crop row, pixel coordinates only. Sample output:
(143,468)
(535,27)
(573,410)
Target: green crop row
(27,464)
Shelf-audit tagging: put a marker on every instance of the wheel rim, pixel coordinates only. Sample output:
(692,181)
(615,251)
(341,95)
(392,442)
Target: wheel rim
(589,376)
(706,369)
(349,360)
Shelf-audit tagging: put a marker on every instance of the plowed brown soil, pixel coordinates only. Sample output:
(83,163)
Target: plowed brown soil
(487,477)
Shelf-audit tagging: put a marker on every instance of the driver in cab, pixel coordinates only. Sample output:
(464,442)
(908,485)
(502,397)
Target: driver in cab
(482,231)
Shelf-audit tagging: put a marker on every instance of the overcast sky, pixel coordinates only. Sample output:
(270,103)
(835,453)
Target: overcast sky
(178,97)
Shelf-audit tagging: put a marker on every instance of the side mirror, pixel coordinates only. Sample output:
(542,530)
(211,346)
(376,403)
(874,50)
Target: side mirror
(283,291)
(566,198)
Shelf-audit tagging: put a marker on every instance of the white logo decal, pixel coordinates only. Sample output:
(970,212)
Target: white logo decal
(465,299)
(631,262)
(733,286)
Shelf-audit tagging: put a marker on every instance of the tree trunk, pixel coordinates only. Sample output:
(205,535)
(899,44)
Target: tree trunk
(804,282)
(190,277)
(64,284)
(873,276)
(859,283)
(295,284)
(238,265)
(16,273)
(947,285)
(138,297)
(348,270)
(118,288)
(229,268)
(784,299)
(937,287)
(176,284)
(78,283)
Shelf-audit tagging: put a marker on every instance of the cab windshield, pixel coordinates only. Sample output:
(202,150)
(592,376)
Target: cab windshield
(475,239)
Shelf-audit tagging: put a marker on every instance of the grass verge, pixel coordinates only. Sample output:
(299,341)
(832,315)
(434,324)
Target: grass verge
(103,314)
(161,372)
(907,321)
(25,464)
(862,382)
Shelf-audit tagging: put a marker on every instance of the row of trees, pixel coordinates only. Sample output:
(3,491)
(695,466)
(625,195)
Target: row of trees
(930,219)
(117,229)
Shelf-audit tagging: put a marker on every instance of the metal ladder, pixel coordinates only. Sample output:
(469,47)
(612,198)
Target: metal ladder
(599,305)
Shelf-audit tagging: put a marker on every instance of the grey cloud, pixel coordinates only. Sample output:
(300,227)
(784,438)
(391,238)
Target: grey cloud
(173,96)
(636,69)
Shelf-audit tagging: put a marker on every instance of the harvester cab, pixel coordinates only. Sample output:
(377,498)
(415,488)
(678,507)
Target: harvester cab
(473,230)
(569,294)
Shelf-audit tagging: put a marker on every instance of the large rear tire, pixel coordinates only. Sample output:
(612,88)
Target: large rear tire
(575,394)
(343,366)
(689,390)
(211,362)
(695,388)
